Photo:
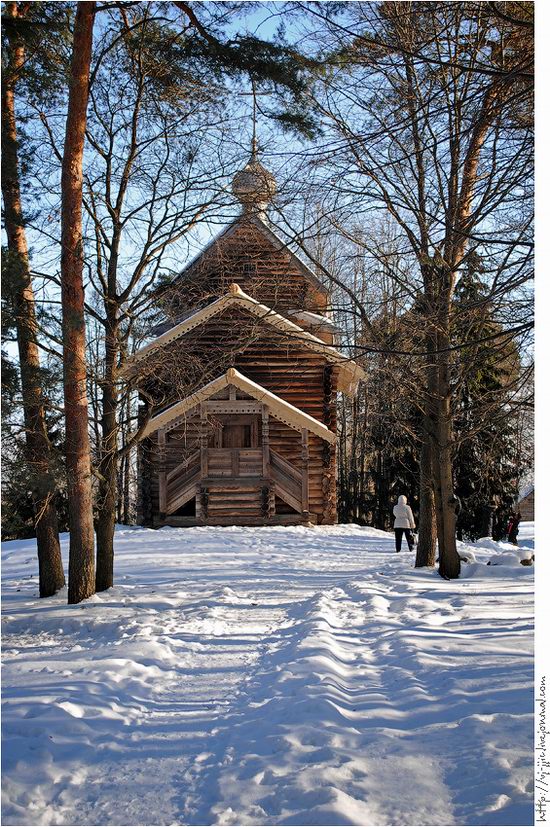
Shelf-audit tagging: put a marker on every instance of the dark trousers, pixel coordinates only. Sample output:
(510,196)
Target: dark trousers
(399,536)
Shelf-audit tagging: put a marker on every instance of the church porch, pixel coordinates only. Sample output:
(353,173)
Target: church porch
(229,473)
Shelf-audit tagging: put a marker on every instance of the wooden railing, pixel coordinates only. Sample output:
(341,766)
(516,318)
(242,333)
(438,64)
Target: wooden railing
(181,483)
(287,481)
(182,468)
(234,462)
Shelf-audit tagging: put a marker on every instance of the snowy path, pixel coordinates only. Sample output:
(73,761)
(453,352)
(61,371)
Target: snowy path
(269,676)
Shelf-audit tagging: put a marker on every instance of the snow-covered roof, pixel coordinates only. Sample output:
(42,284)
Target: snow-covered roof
(313,319)
(350,374)
(528,489)
(280,409)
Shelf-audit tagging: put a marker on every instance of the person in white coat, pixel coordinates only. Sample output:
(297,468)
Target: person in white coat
(404,523)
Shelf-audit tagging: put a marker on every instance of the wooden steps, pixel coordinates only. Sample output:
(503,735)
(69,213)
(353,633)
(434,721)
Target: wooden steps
(226,502)
(181,488)
(247,497)
(287,481)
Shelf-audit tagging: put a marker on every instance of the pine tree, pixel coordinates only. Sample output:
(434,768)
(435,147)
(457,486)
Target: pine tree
(79,475)
(18,282)
(164,71)
(485,467)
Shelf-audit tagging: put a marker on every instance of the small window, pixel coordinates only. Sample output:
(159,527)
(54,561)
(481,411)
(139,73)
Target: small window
(237,436)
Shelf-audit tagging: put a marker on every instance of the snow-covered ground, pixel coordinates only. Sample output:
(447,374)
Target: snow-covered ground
(271,676)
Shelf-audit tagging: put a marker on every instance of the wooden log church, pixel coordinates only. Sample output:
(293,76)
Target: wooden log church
(241,381)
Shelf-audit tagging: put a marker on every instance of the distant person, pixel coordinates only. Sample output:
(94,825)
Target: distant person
(404,523)
(513,528)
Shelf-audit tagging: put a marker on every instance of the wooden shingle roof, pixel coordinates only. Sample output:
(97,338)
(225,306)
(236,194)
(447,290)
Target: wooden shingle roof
(270,232)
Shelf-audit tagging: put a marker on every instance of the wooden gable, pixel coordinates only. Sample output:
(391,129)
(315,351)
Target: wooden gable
(278,407)
(250,254)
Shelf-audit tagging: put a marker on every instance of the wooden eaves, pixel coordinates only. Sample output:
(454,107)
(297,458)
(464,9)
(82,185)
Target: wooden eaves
(350,372)
(279,408)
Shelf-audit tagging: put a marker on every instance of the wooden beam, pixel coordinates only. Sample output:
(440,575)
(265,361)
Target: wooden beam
(185,493)
(162,470)
(183,466)
(276,519)
(305,471)
(265,442)
(232,482)
(237,406)
(254,432)
(204,441)
(181,420)
(200,511)
(287,497)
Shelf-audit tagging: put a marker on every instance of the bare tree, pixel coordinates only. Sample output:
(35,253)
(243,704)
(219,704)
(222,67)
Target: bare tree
(428,108)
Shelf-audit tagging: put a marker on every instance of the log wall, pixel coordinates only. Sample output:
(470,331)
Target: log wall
(246,257)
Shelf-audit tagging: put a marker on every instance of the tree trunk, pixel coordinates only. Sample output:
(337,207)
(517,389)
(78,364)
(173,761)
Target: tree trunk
(38,448)
(427,531)
(488,519)
(81,552)
(105,527)
(449,560)
(436,457)
(459,211)
(123,472)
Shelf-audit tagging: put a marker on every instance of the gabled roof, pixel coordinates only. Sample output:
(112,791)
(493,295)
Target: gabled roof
(350,372)
(271,234)
(281,410)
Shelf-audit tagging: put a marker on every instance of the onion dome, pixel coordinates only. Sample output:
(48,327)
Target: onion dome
(254,185)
